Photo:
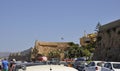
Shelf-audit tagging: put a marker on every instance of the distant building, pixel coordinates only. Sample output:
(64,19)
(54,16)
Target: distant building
(46,48)
(108,42)
(22,56)
(87,39)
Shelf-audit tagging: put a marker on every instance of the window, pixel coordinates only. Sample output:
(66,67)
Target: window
(114,29)
(108,65)
(105,65)
(117,66)
(91,64)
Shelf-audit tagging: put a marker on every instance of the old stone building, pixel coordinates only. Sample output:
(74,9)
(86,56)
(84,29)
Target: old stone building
(108,42)
(45,48)
(87,39)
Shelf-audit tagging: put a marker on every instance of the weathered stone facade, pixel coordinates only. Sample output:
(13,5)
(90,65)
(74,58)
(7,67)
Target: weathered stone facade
(87,39)
(108,42)
(44,48)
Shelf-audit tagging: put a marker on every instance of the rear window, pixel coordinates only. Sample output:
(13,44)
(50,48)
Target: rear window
(116,66)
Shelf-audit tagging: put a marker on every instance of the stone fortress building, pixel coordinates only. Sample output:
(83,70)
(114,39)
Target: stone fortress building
(108,42)
(45,48)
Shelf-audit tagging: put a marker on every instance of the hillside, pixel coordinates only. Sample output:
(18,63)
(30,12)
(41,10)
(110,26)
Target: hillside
(4,54)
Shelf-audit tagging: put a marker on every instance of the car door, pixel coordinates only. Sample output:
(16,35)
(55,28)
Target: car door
(91,66)
(107,67)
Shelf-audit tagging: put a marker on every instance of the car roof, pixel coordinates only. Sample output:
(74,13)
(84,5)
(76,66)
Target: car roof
(98,61)
(50,68)
(114,62)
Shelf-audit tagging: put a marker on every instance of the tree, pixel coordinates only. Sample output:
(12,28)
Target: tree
(54,54)
(73,52)
(91,47)
(98,27)
(87,53)
(34,54)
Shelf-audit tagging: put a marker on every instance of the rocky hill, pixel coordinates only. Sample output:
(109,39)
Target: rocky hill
(4,54)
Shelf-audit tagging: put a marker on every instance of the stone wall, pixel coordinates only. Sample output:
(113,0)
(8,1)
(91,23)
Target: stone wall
(108,42)
(43,48)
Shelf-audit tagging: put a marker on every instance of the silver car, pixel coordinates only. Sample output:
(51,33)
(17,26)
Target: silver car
(111,66)
(94,66)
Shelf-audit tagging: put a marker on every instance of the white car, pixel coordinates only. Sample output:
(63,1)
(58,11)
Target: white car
(111,66)
(37,67)
(94,66)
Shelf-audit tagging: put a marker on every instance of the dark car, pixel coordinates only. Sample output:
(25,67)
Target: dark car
(80,65)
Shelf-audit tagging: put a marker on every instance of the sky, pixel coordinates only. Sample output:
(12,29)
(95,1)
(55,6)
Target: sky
(22,22)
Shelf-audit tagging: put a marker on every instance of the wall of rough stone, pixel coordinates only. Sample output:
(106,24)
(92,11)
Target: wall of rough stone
(108,42)
(44,48)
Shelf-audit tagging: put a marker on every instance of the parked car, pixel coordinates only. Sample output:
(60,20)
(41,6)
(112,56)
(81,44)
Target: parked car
(94,66)
(111,66)
(63,63)
(54,60)
(81,59)
(80,65)
(42,67)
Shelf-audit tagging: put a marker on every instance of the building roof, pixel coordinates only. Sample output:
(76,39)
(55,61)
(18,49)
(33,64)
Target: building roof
(110,25)
(51,43)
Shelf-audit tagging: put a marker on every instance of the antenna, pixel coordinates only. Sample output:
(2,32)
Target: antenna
(85,33)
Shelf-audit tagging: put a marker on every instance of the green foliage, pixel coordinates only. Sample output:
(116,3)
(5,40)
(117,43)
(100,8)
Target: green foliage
(90,47)
(75,51)
(98,27)
(86,53)
(54,54)
(92,50)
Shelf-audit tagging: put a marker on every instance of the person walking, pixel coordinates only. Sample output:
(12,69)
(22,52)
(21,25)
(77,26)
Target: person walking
(12,64)
(0,64)
(5,65)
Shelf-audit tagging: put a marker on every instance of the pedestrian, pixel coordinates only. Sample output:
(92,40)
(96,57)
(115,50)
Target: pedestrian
(12,64)
(5,65)
(0,64)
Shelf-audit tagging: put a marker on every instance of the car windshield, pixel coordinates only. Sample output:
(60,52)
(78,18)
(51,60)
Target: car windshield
(116,66)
